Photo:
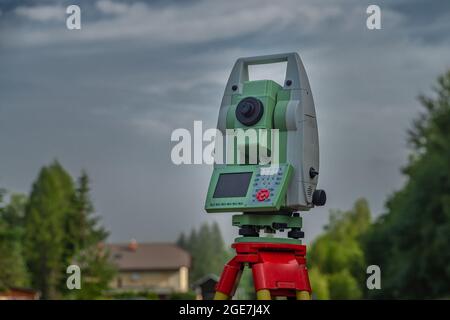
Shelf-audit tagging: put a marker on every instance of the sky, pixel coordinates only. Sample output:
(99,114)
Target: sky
(107,97)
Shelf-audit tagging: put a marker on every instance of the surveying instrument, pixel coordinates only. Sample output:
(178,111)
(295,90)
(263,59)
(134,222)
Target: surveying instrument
(270,185)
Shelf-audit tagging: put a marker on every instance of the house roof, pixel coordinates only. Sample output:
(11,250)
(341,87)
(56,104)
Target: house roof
(148,256)
(16,293)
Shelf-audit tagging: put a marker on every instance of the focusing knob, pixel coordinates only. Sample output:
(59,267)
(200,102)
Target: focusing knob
(313,173)
(249,111)
(319,197)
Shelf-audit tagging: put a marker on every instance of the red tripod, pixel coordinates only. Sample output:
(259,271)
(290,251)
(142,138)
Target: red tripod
(279,269)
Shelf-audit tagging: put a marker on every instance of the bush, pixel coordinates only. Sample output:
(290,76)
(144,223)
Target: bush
(319,284)
(130,295)
(190,295)
(343,286)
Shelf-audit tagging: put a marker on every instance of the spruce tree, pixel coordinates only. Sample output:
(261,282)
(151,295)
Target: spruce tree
(82,225)
(181,241)
(13,271)
(220,254)
(46,248)
(207,250)
(87,238)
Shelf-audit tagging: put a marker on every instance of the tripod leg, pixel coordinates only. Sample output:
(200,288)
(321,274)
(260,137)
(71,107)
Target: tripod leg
(220,296)
(228,280)
(302,295)
(263,294)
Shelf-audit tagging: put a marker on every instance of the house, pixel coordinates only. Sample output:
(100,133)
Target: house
(161,268)
(19,294)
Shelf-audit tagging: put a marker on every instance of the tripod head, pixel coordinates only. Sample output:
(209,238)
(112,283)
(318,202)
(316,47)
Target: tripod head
(272,149)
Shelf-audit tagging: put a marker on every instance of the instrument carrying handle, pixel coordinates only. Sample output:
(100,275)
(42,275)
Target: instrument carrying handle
(295,71)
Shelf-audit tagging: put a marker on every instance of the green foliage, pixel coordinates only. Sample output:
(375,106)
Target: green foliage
(49,203)
(336,258)
(319,284)
(13,271)
(245,289)
(60,230)
(97,273)
(133,295)
(86,238)
(343,285)
(207,250)
(182,241)
(152,296)
(190,295)
(410,242)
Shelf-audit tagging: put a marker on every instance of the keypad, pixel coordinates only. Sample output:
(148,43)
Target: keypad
(267,183)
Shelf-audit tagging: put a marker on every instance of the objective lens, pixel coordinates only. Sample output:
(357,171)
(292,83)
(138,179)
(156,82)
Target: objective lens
(249,111)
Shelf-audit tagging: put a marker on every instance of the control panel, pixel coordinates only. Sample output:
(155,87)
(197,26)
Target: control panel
(248,188)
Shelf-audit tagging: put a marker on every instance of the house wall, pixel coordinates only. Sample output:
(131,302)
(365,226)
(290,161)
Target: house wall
(184,279)
(161,281)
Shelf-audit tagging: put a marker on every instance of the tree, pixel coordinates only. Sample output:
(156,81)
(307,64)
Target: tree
(89,232)
(85,238)
(220,254)
(336,259)
(13,271)
(207,249)
(193,243)
(343,285)
(49,203)
(319,283)
(61,229)
(203,253)
(410,241)
(97,272)
(182,241)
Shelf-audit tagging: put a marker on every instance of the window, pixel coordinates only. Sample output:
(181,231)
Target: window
(135,276)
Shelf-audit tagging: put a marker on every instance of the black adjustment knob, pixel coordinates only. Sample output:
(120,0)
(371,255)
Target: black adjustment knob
(296,233)
(319,197)
(313,173)
(248,231)
(249,111)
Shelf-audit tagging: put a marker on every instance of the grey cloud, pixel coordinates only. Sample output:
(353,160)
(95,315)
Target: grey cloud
(42,13)
(106,99)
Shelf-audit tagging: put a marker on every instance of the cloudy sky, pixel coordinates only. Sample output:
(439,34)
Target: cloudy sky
(107,97)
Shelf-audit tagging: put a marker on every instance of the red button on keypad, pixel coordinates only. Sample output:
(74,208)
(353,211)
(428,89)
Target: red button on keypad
(262,194)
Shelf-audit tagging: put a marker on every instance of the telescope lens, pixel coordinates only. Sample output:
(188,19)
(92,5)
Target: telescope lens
(249,111)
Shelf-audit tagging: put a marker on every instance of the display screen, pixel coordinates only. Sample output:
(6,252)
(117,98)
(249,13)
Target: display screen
(232,185)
